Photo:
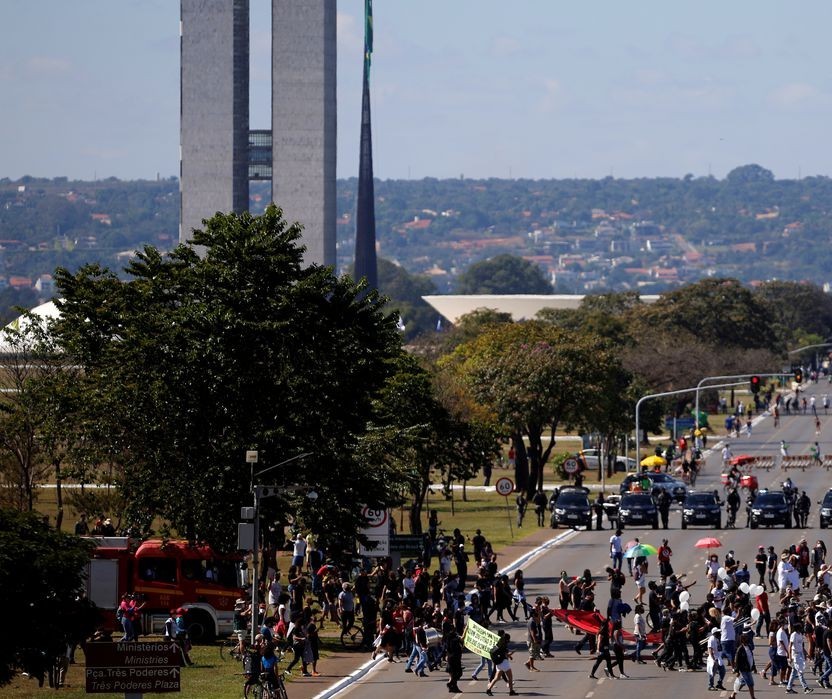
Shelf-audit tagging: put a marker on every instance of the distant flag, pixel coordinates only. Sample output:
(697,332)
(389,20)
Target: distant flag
(400,325)
(368,35)
(439,325)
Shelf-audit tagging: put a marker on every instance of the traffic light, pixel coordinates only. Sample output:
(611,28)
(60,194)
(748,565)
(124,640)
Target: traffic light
(755,384)
(798,375)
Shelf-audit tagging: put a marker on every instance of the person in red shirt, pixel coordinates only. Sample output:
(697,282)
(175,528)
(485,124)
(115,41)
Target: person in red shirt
(765,616)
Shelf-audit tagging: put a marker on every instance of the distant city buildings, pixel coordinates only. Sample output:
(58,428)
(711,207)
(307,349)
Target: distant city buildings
(219,152)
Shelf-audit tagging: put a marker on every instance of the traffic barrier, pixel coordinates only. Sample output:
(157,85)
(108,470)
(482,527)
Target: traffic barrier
(801,461)
(763,462)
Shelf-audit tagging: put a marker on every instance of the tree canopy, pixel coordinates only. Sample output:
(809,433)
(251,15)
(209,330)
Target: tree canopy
(195,359)
(537,378)
(503,274)
(41,577)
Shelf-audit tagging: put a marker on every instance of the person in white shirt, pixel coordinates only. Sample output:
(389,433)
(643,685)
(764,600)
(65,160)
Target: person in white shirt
(616,550)
(728,636)
(640,632)
(299,551)
(274,591)
(797,660)
(781,654)
(716,664)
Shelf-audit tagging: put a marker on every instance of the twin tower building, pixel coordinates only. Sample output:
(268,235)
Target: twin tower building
(220,154)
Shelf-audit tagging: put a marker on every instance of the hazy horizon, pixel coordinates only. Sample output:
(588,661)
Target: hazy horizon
(480,88)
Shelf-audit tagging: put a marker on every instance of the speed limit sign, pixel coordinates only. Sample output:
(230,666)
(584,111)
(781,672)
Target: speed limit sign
(504,486)
(571,466)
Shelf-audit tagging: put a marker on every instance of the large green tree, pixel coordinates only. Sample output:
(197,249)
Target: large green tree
(796,309)
(425,438)
(405,292)
(228,344)
(503,274)
(40,577)
(537,378)
(718,312)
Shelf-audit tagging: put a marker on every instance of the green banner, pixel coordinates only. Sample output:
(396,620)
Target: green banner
(478,639)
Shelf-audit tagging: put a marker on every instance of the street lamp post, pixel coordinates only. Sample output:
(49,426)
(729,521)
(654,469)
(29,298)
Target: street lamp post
(663,395)
(721,378)
(257,493)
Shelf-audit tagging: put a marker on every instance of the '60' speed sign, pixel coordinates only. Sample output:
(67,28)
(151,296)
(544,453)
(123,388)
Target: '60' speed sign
(504,486)
(375,516)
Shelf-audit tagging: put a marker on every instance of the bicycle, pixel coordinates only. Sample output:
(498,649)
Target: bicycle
(352,638)
(269,687)
(230,649)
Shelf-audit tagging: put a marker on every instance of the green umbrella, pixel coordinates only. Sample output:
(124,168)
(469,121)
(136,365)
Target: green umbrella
(640,550)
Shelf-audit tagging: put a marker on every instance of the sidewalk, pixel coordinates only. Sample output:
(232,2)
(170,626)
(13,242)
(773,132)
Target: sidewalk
(335,666)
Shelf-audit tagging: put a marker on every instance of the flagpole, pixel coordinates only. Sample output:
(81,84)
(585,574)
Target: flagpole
(366,264)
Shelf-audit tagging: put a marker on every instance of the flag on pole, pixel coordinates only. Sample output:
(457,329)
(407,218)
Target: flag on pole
(368,35)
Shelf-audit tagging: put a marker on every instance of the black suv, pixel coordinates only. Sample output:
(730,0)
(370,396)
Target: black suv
(572,508)
(826,509)
(770,507)
(637,508)
(701,508)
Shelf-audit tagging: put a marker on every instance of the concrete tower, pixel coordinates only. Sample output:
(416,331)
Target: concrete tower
(219,152)
(214,69)
(304,123)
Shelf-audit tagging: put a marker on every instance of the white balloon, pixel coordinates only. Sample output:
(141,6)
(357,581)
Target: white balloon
(744,588)
(722,573)
(755,614)
(684,606)
(756,590)
(684,596)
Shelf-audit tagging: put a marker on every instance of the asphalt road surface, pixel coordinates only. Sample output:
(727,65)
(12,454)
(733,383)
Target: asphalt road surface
(566,675)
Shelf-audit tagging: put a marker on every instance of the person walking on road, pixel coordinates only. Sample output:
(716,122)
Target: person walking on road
(603,655)
(744,667)
(500,656)
(715,665)
(664,507)
(616,549)
(797,660)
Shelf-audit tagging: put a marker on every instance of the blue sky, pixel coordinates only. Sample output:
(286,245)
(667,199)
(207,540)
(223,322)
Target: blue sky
(481,88)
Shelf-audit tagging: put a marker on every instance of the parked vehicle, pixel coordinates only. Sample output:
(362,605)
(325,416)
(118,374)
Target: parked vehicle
(590,458)
(701,509)
(166,575)
(825,509)
(637,508)
(770,508)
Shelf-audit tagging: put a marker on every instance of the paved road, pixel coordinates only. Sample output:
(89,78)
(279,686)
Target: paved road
(565,675)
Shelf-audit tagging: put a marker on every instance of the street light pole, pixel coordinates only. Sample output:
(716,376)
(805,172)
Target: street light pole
(662,395)
(257,493)
(720,378)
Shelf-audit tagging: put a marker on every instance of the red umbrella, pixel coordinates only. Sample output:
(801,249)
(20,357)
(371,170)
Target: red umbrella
(741,460)
(709,542)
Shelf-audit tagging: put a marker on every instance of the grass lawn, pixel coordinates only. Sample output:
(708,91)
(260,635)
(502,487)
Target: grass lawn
(210,678)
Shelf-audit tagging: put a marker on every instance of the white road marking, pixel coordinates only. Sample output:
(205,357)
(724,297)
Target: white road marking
(589,695)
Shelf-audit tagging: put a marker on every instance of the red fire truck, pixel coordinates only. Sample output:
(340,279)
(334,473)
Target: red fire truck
(166,575)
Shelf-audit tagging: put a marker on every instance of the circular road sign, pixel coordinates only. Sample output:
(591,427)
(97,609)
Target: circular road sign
(571,466)
(375,516)
(504,486)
